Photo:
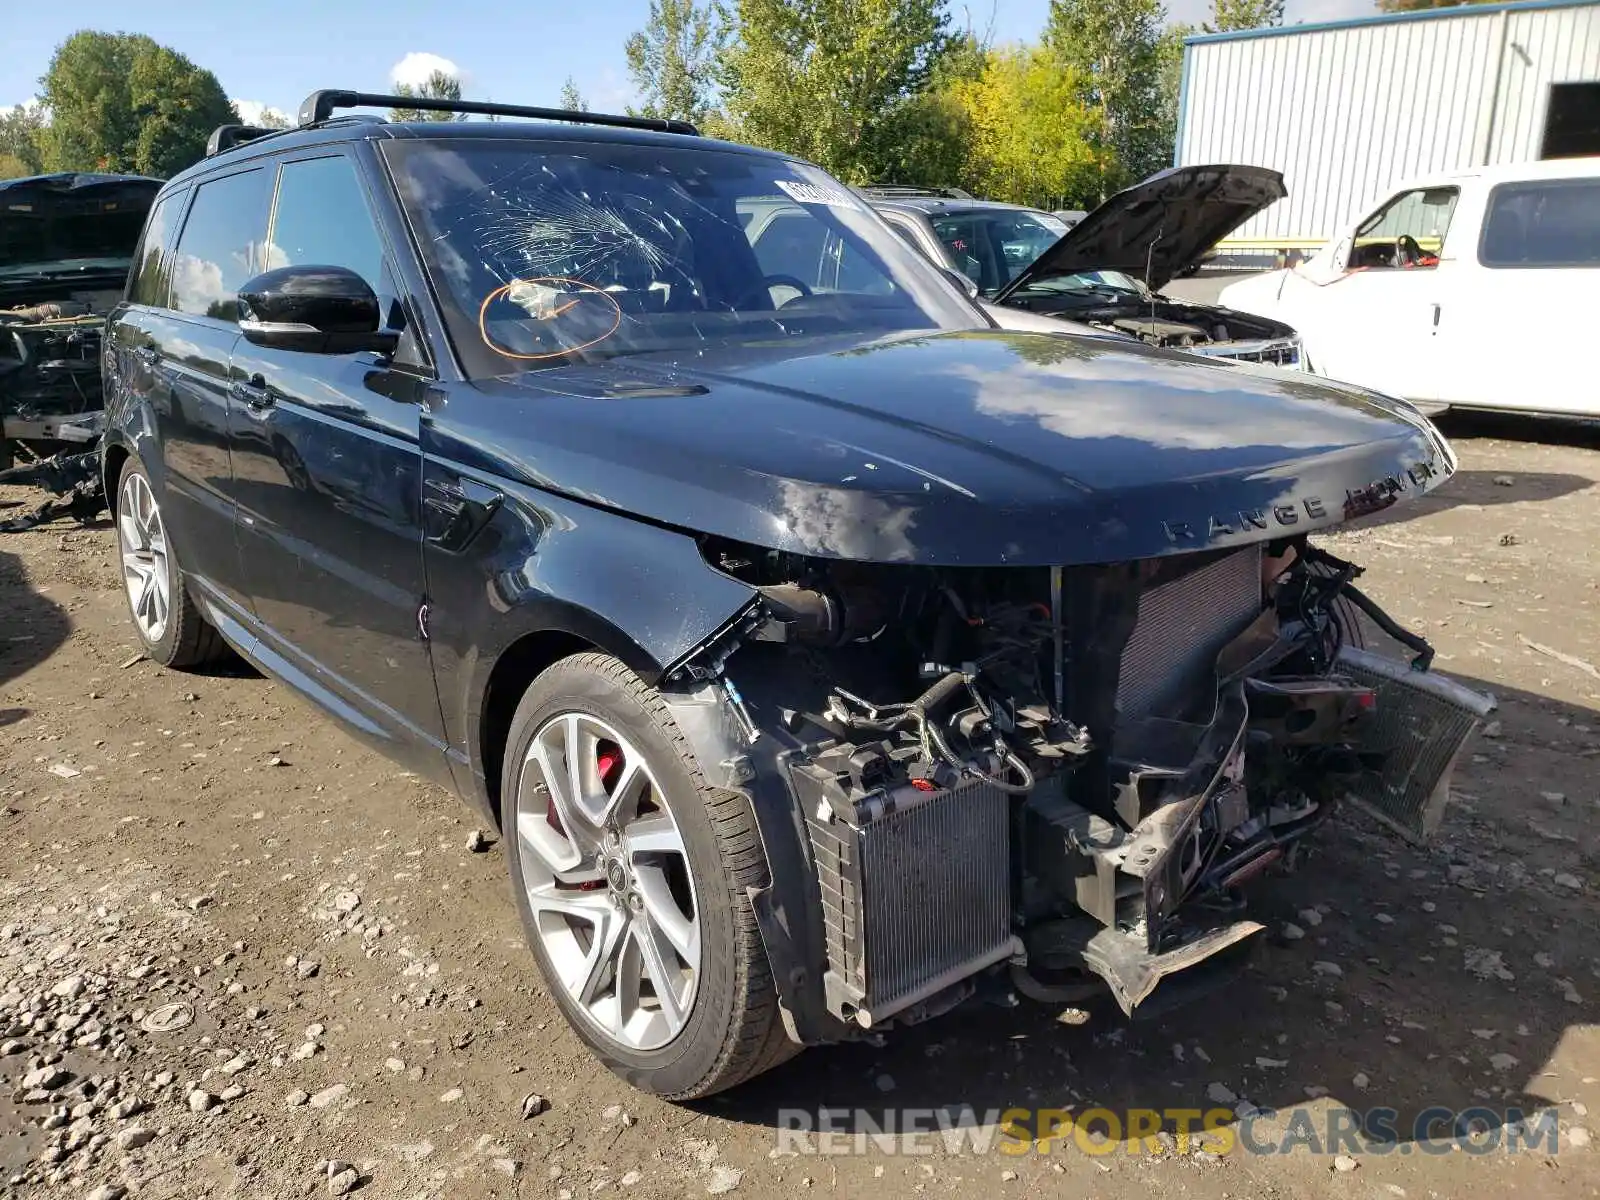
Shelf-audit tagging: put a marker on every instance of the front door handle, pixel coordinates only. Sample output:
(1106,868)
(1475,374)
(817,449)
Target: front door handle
(454,510)
(148,355)
(253,393)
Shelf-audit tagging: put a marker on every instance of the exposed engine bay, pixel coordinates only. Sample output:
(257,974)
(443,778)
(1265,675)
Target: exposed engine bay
(50,403)
(1059,780)
(66,244)
(50,367)
(1173,325)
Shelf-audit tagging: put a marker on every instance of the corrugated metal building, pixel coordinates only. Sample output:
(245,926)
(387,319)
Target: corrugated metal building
(1348,109)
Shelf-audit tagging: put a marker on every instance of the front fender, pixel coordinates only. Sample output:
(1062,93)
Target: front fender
(549,567)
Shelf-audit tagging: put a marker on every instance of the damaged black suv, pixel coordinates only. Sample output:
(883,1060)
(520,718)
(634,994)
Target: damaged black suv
(827,656)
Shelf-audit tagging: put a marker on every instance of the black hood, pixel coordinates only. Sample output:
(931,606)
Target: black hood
(980,448)
(1158,229)
(54,218)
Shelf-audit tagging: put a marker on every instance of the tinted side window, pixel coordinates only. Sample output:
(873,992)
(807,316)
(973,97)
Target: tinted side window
(152,274)
(322,219)
(1551,223)
(220,247)
(907,235)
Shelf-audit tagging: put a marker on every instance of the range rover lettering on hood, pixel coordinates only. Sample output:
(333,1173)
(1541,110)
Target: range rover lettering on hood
(1158,228)
(1216,528)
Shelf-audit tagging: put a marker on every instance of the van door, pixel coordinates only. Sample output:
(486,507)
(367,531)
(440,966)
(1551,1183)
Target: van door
(1514,333)
(1373,323)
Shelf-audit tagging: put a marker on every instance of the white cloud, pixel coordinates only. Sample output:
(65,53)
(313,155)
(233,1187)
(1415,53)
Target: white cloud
(251,112)
(32,102)
(610,94)
(415,68)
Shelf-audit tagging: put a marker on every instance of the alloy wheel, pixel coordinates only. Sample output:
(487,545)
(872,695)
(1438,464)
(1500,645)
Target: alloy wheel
(608,881)
(142,538)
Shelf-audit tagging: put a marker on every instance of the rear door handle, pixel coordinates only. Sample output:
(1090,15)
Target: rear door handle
(253,393)
(454,510)
(1436,316)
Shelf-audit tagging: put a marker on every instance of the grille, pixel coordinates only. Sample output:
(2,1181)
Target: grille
(1182,627)
(1422,721)
(916,895)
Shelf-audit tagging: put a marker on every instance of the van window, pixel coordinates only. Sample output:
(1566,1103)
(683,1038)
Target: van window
(1407,232)
(220,247)
(1546,223)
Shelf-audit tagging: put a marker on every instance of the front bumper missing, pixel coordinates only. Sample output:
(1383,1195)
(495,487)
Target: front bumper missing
(1422,724)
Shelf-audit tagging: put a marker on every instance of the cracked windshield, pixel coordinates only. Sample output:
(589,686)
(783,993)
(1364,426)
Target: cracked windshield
(552,254)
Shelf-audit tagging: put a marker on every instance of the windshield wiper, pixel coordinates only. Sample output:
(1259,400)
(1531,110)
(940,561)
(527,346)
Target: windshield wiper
(1077,289)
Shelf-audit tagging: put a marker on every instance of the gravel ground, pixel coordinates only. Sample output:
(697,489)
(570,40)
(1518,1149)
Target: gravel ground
(239,955)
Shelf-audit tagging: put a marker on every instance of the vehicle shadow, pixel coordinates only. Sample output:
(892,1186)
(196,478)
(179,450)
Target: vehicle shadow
(1518,427)
(32,627)
(1480,489)
(1452,991)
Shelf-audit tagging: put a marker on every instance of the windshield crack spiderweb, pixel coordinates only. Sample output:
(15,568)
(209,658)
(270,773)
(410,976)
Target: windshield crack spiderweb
(532,222)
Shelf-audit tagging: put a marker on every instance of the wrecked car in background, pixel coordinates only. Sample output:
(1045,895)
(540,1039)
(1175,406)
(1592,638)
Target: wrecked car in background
(828,657)
(66,242)
(1106,269)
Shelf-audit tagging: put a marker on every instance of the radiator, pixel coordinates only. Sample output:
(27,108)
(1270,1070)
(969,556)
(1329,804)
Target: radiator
(1421,723)
(1181,628)
(916,895)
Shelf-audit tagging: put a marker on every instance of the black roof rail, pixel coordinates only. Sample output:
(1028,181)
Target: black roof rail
(886,191)
(320,105)
(226,137)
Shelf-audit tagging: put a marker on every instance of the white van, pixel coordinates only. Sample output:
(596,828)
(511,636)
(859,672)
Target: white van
(1467,289)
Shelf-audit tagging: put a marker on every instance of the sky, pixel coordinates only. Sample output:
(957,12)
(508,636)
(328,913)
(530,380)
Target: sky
(511,51)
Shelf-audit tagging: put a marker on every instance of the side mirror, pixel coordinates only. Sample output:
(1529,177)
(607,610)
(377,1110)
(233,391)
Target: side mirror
(316,309)
(963,281)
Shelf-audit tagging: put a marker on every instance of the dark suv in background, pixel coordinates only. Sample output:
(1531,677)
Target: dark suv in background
(826,655)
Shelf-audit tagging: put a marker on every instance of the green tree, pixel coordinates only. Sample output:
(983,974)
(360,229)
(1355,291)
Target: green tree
(926,139)
(178,106)
(121,102)
(272,119)
(439,85)
(571,98)
(1417,5)
(1113,49)
(827,79)
(19,137)
(1029,130)
(1244,14)
(673,59)
(1169,76)
(12,167)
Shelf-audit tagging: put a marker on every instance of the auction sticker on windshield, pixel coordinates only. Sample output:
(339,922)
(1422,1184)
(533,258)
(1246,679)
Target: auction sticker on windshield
(810,193)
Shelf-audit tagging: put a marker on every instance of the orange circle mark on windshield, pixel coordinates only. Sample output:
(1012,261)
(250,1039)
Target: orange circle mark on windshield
(587,288)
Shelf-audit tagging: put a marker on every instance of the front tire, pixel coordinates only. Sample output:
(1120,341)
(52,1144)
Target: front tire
(630,873)
(167,620)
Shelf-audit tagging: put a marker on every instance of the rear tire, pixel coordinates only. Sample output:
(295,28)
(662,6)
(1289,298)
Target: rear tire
(582,870)
(167,620)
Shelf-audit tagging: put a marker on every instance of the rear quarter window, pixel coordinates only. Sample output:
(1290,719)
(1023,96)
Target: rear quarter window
(221,245)
(1542,224)
(150,281)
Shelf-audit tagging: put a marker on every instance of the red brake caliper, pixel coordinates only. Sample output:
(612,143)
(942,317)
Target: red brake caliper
(609,761)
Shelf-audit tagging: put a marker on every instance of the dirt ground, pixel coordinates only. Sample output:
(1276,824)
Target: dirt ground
(351,984)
